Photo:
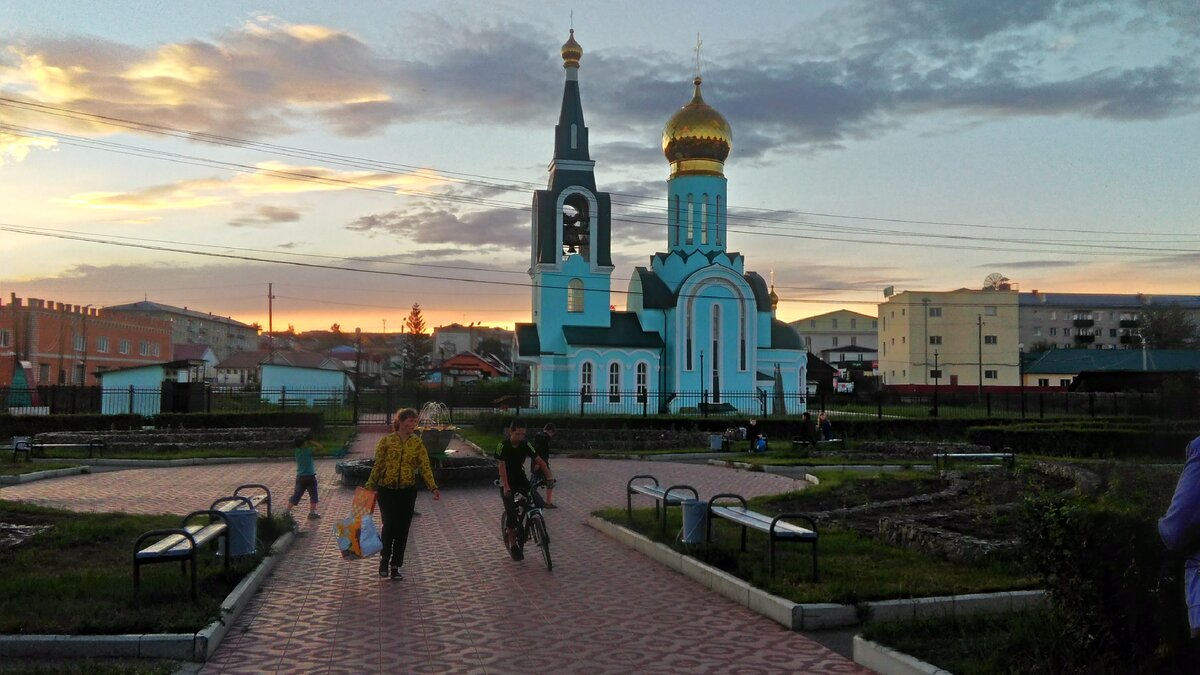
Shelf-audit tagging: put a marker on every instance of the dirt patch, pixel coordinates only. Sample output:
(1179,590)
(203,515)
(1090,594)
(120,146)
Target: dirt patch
(861,493)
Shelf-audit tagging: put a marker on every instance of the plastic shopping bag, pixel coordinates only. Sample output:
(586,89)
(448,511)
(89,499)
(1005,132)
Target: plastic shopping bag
(347,530)
(369,542)
(364,502)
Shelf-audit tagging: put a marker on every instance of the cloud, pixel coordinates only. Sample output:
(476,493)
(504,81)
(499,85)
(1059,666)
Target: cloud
(265,216)
(272,178)
(15,148)
(490,229)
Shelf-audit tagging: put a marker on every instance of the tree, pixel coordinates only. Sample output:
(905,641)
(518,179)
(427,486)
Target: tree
(1169,327)
(336,329)
(416,348)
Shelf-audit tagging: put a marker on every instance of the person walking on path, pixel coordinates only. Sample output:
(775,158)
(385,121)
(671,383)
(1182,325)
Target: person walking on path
(398,456)
(1180,530)
(541,445)
(306,477)
(512,454)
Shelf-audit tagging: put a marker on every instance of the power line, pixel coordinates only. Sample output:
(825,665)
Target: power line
(1102,249)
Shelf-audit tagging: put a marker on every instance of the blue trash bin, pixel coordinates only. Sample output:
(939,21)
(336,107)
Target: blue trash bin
(695,520)
(243,530)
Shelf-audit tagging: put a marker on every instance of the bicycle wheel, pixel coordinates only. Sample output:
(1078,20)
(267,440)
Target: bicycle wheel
(542,538)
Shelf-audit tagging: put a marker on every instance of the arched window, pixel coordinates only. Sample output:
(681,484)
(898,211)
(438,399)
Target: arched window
(575,295)
(643,381)
(585,382)
(614,382)
(576,226)
(704,219)
(691,220)
(718,223)
(716,353)
(675,230)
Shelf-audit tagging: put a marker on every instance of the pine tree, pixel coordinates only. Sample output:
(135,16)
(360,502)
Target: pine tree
(417,347)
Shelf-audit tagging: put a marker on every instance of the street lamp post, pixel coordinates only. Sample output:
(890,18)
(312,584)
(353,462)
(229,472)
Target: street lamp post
(937,376)
(925,363)
(1021,374)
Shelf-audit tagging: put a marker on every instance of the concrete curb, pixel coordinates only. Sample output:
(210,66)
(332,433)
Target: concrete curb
(193,461)
(198,646)
(818,616)
(889,661)
(19,478)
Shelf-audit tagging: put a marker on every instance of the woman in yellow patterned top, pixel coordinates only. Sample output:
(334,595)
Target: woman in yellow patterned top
(398,456)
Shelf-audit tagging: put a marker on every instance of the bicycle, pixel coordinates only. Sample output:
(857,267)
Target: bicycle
(530,523)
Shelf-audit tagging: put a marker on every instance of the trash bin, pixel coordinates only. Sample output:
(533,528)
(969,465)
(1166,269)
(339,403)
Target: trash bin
(716,442)
(695,520)
(243,530)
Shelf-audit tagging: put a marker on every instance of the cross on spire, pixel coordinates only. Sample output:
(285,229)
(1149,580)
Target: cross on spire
(698,43)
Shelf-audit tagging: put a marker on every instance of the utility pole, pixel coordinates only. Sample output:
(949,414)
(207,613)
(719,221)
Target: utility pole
(937,377)
(980,323)
(357,367)
(271,318)
(925,363)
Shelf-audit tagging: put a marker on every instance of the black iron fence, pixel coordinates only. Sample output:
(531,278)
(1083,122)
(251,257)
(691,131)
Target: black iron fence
(375,404)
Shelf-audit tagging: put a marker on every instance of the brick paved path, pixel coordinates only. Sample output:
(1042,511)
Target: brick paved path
(464,605)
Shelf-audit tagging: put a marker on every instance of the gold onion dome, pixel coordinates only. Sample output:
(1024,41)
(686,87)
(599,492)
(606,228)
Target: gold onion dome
(774,298)
(697,139)
(571,52)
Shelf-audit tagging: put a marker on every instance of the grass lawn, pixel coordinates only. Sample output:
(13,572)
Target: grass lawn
(11,468)
(1026,642)
(853,568)
(77,576)
(333,439)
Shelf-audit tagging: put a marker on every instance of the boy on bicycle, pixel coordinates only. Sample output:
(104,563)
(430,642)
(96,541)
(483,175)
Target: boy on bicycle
(512,453)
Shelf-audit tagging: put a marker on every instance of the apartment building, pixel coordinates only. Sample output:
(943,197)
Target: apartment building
(1091,320)
(838,329)
(949,338)
(223,334)
(68,344)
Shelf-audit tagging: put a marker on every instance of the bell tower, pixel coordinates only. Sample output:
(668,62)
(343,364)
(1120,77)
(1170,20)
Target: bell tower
(570,262)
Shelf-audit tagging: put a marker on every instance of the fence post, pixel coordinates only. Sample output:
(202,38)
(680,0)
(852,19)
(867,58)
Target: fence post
(131,399)
(387,399)
(1092,404)
(1022,401)
(646,404)
(988,399)
(1041,405)
(762,402)
(879,405)
(582,394)
(283,398)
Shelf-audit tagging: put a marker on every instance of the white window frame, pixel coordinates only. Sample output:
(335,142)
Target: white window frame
(614,382)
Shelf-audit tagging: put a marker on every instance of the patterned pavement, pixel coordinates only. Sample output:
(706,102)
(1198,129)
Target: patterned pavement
(464,605)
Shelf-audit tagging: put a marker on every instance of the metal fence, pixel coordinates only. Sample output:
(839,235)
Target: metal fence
(376,404)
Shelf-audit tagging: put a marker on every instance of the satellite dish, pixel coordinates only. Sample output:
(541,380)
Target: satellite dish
(994,280)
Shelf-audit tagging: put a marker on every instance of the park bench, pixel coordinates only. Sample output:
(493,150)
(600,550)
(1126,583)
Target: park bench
(775,527)
(671,496)
(798,443)
(182,544)
(942,459)
(39,447)
(22,444)
(716,408)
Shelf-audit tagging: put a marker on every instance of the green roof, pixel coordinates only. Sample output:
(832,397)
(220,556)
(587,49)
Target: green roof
(655,294)
(625,331)
(784,336)
(528,342)
(1072,361)
(762,296)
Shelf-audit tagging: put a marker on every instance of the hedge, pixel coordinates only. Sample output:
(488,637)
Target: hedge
(1167,442)
(29,425)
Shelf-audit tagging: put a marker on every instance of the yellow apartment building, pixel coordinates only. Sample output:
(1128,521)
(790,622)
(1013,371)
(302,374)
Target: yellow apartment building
(949,338)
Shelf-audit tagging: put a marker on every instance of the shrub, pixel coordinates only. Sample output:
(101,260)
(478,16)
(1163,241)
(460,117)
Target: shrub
(1078,440)
(1117,591)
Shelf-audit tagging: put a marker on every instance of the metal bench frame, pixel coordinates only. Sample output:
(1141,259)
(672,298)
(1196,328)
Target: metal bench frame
(187,543)
(659,495)
(38,447)
(747,519)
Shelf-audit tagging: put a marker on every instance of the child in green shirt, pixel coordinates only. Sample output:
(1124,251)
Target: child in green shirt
(306,477)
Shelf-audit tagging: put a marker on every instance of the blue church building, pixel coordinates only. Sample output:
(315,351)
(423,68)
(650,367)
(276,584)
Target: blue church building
(698,328)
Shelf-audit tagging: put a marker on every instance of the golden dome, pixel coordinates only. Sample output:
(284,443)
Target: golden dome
(571,52)
(697,138)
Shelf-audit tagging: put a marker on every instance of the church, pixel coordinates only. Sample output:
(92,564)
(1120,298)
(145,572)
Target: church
(698,330)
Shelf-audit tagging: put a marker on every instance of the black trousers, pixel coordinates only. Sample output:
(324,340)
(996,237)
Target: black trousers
(396,510)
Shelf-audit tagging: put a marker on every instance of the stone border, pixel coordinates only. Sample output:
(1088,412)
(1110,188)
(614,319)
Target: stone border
(198,646)
(888,661)
(792,470)
(817,616)
(17,479)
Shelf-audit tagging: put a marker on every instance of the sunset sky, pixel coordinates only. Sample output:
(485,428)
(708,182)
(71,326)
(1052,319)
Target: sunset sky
(365,156)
